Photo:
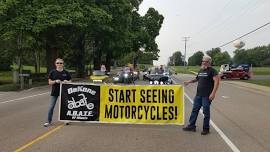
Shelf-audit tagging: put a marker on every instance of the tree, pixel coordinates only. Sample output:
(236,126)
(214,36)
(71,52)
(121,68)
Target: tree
(219,57)
(75,16)
(144,31)
(195,59)
(16,24)
(55,25)
(213,52)
(80,31)
(153,22)
(176,59)
(145,58)
(222,58)
(240,56)
(5,60)
(116,37)
(258,56)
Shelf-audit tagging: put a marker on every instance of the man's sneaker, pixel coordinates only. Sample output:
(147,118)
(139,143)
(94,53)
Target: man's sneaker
(47,124)
(189,129)
(205,132)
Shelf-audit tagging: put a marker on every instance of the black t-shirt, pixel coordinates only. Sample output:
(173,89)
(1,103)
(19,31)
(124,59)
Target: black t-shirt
(57,75)
(205,81)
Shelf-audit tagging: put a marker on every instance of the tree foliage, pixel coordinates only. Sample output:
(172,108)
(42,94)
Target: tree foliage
(176,59)
(258,56)
(80,31)
(219,57)
(222,58)
(195,59)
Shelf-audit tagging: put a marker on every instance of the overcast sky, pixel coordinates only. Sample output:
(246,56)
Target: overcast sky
(209,24)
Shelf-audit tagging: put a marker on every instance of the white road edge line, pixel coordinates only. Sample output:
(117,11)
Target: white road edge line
(16,100)
(219,131)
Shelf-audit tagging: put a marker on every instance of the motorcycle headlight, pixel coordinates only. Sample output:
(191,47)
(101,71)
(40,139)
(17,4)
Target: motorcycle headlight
(125,75)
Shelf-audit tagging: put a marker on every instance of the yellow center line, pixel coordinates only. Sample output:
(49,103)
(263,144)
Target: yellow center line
(38,139)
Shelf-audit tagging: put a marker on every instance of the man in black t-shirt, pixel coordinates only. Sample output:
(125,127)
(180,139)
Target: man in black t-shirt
(56,76)
(208,82)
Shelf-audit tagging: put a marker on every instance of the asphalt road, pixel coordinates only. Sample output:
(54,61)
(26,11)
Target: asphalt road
(240,116)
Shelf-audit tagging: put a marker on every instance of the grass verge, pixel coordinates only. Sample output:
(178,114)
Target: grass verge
(259,82)
(9,87)
(261,70)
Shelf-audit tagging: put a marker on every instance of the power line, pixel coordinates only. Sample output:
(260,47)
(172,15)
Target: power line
(206,26)
(223,24)
(244,12)
(244,35)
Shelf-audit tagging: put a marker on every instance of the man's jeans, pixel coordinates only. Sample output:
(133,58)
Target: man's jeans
(198,102)
(51,108)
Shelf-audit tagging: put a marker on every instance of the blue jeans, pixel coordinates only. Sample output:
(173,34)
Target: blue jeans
(51,108)
(198,103)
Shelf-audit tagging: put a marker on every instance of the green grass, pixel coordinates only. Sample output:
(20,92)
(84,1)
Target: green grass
(6,80)
(9,87)
(5,77)
(180,69)
(31,68)
(261,70)
(260,82)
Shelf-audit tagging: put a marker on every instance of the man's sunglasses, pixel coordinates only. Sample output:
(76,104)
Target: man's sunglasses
(59,62)
(205,61)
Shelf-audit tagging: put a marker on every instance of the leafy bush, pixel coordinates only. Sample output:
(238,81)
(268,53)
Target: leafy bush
(5,61)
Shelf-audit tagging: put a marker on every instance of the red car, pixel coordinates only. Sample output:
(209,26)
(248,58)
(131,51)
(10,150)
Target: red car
(235,74)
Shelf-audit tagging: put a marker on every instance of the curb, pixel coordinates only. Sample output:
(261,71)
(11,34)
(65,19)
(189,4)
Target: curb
(193,72)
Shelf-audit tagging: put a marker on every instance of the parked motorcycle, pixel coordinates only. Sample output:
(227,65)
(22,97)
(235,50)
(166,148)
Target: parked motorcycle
(160,79)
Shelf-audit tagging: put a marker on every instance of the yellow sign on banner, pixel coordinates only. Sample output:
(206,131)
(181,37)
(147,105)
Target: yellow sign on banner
(152,104)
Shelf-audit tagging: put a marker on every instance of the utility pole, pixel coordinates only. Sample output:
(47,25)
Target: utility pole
(185,39)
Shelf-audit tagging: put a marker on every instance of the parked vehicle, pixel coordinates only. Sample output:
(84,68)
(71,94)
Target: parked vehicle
(145,76)
(235,74)
(99,76)
(228,67)
(159,79)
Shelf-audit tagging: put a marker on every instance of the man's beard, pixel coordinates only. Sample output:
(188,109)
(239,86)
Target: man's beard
(204,67)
